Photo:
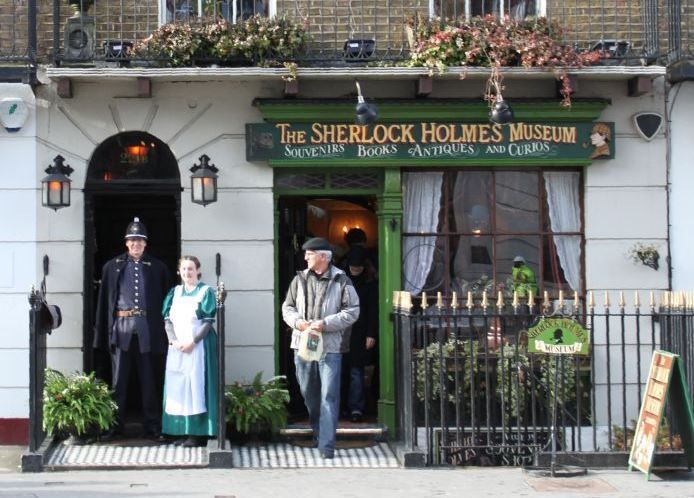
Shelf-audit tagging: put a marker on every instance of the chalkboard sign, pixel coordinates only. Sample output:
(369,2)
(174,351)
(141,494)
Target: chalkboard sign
(665,377)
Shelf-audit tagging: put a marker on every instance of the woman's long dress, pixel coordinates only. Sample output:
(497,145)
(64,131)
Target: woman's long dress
(190,385)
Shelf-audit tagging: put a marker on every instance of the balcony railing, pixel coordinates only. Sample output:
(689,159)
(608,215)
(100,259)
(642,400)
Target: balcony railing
(632,32)
(18,40)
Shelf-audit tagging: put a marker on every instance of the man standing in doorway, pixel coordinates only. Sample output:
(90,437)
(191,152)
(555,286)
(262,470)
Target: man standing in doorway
(321,299)
(129,324)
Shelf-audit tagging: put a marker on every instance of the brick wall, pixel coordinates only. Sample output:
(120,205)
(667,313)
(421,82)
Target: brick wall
(332,22)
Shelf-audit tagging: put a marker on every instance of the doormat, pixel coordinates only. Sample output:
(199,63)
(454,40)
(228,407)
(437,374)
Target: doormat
(122,456)
(289,456)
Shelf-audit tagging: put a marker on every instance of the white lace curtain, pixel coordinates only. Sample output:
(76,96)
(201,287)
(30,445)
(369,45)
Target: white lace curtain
(422,201)
(564,216)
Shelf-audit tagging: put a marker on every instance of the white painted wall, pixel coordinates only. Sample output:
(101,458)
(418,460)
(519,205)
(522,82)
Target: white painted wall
(625,198)
(681,106)
(192,118)
(19,180)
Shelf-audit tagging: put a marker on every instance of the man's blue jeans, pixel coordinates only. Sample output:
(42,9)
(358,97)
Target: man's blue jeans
(320,386)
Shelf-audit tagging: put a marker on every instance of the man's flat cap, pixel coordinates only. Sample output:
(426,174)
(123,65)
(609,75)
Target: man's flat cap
(316,244)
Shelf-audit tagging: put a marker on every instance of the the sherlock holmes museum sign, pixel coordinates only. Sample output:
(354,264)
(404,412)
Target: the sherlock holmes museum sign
(427,141)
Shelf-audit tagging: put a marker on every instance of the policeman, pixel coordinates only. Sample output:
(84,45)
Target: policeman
(128,323)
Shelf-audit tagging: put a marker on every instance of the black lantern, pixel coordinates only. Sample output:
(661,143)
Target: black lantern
(203,182)
(55,188)
(501,111)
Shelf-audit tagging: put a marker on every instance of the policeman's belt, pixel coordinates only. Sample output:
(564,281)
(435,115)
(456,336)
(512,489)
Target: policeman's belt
(129,313)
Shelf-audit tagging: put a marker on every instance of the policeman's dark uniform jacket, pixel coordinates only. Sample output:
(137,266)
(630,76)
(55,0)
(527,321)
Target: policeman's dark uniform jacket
(129,324)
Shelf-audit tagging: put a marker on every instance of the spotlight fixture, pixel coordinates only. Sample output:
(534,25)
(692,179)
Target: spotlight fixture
(501,111)
(365,113)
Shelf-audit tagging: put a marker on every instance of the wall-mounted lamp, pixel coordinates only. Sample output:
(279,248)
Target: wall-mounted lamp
(365,113)
(55,188)
(203,182)
(501,112)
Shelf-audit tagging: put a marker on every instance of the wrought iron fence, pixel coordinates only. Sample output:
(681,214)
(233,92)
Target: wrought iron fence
(354,31)
(470,393)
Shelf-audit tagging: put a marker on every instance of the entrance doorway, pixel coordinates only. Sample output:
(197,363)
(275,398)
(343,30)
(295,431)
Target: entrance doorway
(130,175)
(330,217)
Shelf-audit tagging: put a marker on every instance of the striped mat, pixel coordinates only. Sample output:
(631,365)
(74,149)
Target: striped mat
(95,456)
(283,455)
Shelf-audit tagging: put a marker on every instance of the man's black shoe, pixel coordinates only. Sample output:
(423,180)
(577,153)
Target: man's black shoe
(194,441)
(327,455)
(356,417)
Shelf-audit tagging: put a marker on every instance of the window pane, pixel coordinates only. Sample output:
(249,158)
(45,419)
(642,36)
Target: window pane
(471,202)
(424,264)
(507,249)
(181,10)
(517,203)
(562,264)
(473,268)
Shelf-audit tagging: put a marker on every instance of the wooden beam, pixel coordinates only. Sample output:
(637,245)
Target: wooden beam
(425,85)
(291,88)
(65,88)
(639,85)
(144,88)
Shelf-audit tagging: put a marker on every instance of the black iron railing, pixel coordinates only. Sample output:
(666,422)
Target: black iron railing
(470,393)
(347,31)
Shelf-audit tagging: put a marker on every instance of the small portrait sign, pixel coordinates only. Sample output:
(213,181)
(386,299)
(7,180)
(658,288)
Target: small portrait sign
(558,336)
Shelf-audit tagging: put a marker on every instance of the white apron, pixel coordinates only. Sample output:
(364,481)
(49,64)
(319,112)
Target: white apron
(184,392)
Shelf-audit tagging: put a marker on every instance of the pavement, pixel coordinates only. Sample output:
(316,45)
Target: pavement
(307,483)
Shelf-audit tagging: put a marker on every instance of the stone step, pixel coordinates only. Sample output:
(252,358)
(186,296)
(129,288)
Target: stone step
(376,432)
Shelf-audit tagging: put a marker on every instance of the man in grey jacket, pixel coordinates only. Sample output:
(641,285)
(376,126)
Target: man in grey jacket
(321,299)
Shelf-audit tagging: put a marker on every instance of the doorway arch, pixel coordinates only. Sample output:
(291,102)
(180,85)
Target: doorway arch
(129,174)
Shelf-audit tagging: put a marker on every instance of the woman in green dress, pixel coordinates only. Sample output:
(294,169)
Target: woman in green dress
(190,385)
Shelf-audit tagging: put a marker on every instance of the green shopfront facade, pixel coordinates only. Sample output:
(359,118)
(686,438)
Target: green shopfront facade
(316,151)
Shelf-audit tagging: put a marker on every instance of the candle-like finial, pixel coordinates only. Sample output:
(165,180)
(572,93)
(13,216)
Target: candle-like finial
(470,302)
(621,299)
(637,300)
(591,299)
(485,302)
(577,302)
(545,299)
(531,300)
(561,299)
(607,299)
(439,300)
(500,300)
(651,299)
(425,305)
(454,300)
(515,299)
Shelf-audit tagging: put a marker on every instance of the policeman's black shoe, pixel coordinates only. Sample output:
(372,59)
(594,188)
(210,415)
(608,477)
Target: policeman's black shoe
(327,454)
(356,417)
(111,434)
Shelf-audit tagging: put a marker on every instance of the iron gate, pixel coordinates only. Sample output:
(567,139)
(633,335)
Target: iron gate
(469,393)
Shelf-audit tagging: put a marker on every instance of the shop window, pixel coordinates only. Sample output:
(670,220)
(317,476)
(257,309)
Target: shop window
(515,9)
(462,230)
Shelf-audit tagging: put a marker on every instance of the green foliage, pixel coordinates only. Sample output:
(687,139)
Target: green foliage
(451,349)
(257,40)
(664,441)
(258,405)
(76,403)
(491,42)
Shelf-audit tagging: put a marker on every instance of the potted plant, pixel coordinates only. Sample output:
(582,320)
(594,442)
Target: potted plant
(492,42)
(78,405)
(256,410)
(646,254)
